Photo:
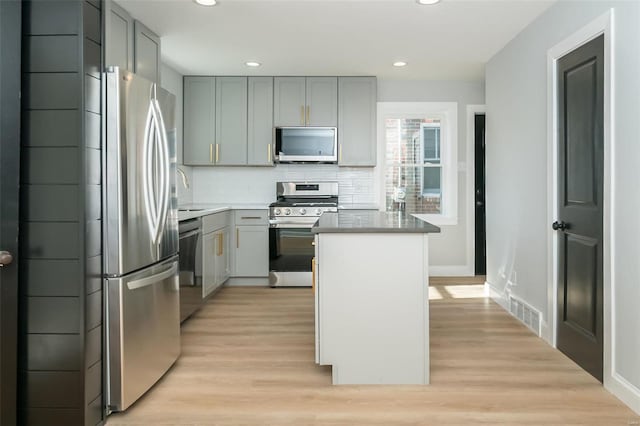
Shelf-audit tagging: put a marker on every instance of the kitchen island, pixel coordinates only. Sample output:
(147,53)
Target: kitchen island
(371,297)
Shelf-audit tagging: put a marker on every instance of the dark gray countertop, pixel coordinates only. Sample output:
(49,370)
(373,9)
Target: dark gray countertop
(371,222)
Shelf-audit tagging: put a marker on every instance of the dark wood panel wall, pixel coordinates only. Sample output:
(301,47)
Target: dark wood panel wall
(60,349)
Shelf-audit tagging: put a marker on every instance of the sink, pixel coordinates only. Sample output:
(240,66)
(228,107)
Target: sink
(189,210)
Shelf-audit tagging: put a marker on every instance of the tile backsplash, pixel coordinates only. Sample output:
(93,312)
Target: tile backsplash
(258,184)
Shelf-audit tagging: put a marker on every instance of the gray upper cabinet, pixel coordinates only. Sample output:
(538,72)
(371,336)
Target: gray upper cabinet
(146,52)
(199,120)
(322,101)
(260,124)
(231,121)
(305,101)
(289,106)
(130,44)
(357,98)
(119,37)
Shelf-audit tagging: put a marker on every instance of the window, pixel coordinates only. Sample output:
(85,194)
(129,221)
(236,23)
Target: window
(420,159)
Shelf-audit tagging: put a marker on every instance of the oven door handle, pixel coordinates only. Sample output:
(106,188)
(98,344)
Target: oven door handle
(292,225)
(189,234)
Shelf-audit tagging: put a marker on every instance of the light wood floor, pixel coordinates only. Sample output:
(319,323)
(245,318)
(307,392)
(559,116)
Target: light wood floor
(248,359)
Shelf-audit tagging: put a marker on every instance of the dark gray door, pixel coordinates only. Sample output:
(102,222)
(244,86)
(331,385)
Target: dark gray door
(480,208)
(10,18)
(581,161)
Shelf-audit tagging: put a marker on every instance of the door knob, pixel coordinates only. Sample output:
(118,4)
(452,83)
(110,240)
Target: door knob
(559,226)
(5,258)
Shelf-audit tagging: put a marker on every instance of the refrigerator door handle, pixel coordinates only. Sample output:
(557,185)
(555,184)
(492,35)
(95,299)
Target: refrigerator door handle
(143,282)
(165,164)
(150,196)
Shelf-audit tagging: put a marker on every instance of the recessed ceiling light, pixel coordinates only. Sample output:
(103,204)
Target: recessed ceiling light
(427,1)
(252,64)
(206,2)
(400,64)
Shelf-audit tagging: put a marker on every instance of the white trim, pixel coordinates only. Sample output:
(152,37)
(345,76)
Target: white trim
(604,24)
(446,111)
(500,297)
(472,111)
(449,271)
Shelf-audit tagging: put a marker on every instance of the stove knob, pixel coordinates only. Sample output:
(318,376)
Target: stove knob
(303,211)
(277,212)
(287,211)
(318,212)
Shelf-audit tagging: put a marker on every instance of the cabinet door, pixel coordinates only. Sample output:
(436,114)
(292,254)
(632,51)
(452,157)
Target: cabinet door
(146,53)
(252,251)
(231,121)
(199,121)
(322,101)
(209,272)
(119,36)
(289,101)
(222,258)
(260,125)
(357,121)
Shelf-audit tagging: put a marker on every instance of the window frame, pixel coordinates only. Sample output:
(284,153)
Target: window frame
(447,113)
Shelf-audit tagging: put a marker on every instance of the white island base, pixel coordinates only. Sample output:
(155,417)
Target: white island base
(372,307)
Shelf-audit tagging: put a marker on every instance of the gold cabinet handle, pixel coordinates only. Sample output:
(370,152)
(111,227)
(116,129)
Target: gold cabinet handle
(268,153)
(211,153)
(237,237)
(217,152)
(220,242)
(302,115)
(313,275)
(308,114)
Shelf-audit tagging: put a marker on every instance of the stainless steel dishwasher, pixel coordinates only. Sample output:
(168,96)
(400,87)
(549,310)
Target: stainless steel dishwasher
(190,266)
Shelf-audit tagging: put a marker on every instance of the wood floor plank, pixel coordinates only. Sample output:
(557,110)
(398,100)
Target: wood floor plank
(248,359)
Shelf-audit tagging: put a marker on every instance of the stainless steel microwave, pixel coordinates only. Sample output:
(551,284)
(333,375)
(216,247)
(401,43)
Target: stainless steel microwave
(306,145)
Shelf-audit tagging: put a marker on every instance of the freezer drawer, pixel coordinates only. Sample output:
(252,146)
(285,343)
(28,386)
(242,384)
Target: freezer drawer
(144,330)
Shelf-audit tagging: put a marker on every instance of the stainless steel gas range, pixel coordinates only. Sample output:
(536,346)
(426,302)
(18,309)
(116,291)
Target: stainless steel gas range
(298,207)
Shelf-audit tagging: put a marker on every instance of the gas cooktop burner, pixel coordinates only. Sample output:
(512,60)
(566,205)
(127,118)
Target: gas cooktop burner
(296,200)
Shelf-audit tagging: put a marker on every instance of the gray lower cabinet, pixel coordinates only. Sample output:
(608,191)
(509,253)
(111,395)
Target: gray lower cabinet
(260,122)
(231,121)
(209,247)
(251,253)
(146,48)
(222,258)
(305,101)
(357,98)
(119,35)
(199,121)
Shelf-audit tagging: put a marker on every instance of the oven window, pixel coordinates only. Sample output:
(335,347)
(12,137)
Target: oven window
(290,249)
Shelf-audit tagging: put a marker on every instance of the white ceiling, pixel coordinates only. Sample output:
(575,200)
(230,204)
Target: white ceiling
(449,41)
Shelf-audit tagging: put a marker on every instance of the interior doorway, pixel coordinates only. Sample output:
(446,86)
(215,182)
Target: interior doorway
(479,196)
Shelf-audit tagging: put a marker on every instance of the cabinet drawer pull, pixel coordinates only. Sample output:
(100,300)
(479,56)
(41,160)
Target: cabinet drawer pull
(308,113)
(220,244)
(302,115)
(237,237)
(211,153)
(251,217)
(217,152)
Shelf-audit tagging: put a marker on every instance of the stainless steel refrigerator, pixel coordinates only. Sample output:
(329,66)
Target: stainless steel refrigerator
(140,235)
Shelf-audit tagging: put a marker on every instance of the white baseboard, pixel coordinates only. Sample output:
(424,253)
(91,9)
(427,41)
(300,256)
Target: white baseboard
(624,391)
(451,271)
(498,296)
(247,282)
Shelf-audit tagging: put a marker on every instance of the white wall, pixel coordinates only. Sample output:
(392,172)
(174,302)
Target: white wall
(172,81)
(517,228)
(448,250)
(360,185)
